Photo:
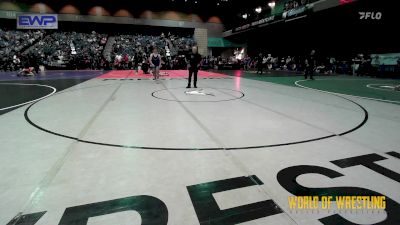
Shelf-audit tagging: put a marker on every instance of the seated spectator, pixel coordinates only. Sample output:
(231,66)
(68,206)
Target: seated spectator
(80,50)
(13,42)
(133,45)
(320,68)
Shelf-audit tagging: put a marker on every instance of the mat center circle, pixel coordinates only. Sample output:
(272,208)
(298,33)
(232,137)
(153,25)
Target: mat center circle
(206,94)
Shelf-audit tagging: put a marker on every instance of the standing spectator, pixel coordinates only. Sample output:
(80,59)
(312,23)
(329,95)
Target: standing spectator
(293,64)
(288,63)
(310,64)
(246,63)
(332,65)
(398,65)
(376,64)
(356,64)
(367,65)
(260,63)
(264,62)
(269,62)
(275,63)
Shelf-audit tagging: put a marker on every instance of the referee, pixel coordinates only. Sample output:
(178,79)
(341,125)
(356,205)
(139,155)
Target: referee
(193,61)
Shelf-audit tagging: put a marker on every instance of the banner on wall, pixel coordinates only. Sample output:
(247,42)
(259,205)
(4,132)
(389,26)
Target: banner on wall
(300,11)
(257,23)
(37,21)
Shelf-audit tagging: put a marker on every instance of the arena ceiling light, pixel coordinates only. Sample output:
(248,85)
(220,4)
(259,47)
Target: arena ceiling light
(271,4)
(244,16)
(258,9)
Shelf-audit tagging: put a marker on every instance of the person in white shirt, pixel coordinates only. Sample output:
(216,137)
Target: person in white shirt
(332,63)
(356,64)
(269,62)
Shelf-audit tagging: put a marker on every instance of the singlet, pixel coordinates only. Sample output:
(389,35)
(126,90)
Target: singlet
(155,59)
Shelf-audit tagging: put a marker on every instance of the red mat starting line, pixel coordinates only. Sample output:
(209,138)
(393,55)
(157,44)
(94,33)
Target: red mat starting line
(120,74)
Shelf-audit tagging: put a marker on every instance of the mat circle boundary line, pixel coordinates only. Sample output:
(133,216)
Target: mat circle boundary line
(341,94)
(26,115)
(32,101)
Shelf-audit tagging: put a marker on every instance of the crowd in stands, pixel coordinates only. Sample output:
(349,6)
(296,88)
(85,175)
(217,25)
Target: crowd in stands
(360,65)
(132,51)
(71,50)
(12,43)
(23,49)
(219,62)
(270,62)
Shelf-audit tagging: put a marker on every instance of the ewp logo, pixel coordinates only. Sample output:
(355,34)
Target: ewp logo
(37,21)
(370,15)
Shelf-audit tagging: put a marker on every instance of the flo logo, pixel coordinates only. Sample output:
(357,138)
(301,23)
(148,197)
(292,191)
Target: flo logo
(370,15)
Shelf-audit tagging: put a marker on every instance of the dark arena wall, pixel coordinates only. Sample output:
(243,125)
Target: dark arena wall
(336,31)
